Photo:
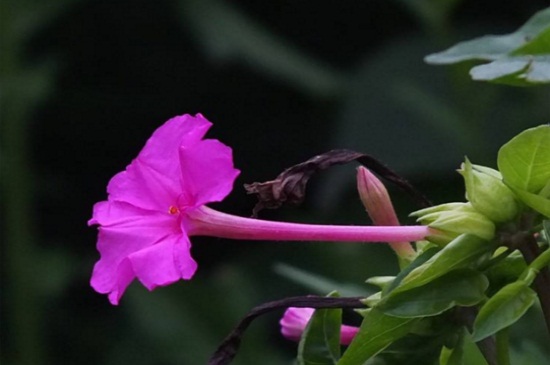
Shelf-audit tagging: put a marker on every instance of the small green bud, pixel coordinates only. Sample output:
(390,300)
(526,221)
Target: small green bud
(453,219)
(487,193)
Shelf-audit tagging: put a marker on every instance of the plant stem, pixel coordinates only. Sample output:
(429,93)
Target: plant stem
(503,342)
(530,251)
(466,316)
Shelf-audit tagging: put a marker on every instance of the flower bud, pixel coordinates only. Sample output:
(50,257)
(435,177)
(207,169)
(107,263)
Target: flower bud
(377,202)
(487,193)
(454,219)
(294,322)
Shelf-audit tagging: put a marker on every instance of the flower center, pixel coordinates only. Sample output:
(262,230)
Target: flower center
(173,210)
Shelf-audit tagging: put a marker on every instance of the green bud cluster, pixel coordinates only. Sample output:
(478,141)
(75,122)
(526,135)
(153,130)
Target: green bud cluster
(453,219)
(490,202)
(488,194)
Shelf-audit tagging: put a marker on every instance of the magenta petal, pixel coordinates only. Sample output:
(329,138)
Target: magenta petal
(144,187)
(294,322)
(207,172)
(161,150)
(125,275)
(125,230)
(163,263)
(152,180)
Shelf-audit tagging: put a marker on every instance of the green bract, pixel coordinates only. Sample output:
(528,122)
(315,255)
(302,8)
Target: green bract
(452,220)
(487,193)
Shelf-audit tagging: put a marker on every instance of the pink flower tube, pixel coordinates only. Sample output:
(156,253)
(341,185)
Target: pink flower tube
(295,320)
(160,200)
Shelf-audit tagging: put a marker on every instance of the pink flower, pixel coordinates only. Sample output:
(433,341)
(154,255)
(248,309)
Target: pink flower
(142,231)
(295,320)
(159,201)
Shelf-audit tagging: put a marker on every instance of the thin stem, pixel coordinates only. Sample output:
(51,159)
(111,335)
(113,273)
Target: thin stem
(208,222)
(503,342)
(466,316)
(230,345)
(530,251)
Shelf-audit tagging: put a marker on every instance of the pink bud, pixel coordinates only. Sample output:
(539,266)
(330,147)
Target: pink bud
(295,320)
(378,204)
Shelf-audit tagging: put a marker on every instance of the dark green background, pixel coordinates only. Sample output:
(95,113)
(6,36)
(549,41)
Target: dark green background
(84,83)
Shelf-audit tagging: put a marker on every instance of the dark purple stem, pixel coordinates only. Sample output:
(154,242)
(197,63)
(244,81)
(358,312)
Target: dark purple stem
(230,345)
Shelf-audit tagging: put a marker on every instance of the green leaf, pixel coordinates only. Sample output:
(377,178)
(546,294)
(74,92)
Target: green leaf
(507,270)
(520,58)
(420,260)
(524,161)
(464,251)
(516,71)
(377,332)
(454,355)
(534,201)
(503,309)
(538,45)
(320,342)
(463,287)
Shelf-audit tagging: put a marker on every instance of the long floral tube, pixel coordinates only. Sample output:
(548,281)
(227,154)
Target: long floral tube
(205,221)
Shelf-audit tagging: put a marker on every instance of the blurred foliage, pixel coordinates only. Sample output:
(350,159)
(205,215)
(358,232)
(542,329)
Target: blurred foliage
(521,58)
(84,82)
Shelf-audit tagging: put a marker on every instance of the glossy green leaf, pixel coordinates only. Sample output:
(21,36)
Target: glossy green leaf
(463,287)
(503,309)
(464,251)
(320,342)
(524,161)
(519,58)
(377,332)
